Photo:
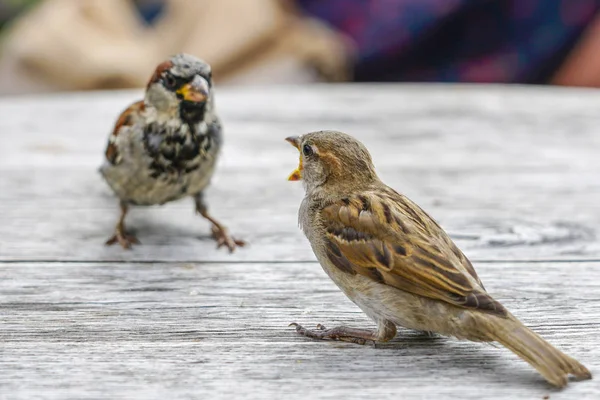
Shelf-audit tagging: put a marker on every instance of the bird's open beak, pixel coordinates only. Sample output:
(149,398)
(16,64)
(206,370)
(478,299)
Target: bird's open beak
(195,91)
(297,174)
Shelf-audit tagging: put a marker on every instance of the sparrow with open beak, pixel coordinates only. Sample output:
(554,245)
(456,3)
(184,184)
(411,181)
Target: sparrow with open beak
(165,147)
(396,263)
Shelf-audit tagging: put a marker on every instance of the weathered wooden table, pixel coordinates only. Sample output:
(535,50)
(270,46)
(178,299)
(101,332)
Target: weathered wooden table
(512,173)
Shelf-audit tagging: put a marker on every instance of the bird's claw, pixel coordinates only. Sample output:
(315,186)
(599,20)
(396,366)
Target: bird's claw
(224,239)
(323,333)
(354,340)
(126,240)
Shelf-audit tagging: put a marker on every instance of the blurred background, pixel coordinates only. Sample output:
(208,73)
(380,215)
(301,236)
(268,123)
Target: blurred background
(64,45)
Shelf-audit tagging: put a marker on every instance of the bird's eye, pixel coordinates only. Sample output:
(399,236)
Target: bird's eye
(208,78)
(170,81)
(307,150)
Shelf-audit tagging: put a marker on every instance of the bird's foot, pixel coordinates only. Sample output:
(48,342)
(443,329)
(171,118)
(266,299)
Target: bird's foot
(343,333)
(125,239)
(223,238)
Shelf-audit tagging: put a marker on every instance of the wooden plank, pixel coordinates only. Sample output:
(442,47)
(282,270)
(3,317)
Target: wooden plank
(511,172)
(184,331)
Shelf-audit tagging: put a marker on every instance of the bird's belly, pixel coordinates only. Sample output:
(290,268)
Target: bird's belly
(384,302)
(135,184)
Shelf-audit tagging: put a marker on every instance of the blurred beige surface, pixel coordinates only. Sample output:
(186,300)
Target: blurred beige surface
(101,44)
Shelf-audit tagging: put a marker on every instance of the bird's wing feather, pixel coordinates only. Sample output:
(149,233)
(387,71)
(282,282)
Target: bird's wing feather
(127,118)
(388,238)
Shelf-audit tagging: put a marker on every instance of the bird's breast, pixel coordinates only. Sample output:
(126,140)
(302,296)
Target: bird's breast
(176,151)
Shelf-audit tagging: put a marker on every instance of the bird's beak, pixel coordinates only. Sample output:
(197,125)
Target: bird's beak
(297,174)
(195,91)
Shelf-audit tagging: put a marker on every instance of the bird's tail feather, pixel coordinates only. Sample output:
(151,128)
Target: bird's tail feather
(554,365)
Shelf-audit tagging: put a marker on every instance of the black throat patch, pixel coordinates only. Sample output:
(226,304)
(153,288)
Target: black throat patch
(192,112)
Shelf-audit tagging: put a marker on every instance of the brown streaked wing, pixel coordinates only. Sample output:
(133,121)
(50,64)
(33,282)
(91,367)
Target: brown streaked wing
(419,217)
(127,118)
(467,264)
(379,239)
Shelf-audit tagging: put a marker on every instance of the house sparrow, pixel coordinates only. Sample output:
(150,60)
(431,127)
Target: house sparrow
(165,147)
(396,263)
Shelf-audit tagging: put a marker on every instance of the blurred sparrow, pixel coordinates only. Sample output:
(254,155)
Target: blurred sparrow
(396,263)
(165,147)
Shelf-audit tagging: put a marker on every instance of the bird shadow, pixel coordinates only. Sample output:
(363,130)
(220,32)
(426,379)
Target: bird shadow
(485,361)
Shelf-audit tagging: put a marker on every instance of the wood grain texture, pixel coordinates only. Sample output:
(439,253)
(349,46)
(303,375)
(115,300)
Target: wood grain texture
(183,331)
(511,172)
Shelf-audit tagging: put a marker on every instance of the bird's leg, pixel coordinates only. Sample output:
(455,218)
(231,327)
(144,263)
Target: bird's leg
(121,235)
(385,331)
(219,232)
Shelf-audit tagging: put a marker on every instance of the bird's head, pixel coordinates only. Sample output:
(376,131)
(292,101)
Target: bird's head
(332,158)
(183,85)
